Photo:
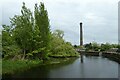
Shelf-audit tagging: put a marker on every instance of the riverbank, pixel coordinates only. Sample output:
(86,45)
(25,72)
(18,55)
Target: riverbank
(11,67)
(0,66)
(92,53)
(72,69)
(112,56)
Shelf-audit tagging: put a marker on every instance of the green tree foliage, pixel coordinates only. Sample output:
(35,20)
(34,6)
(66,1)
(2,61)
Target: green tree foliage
(60,47)
(92,46)
(0,44)
(23,29)
(100,47)
(58,33)
(42,24)
(10,49)
(95,46)
(88,46)
(105,47)
(118,46)
(30,36)
(6,39)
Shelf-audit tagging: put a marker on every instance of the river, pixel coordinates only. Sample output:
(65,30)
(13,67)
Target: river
(92,67)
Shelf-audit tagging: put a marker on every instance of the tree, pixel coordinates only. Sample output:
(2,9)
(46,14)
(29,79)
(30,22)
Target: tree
(95,46)
(75,46)
(92,46)
(58,33)
(60,47)
(105,47)
(9,47)
(88,46)
(23,29)
(6,39)
(32,31)
(42,23)
(30,35)
(0,45)
(118,46)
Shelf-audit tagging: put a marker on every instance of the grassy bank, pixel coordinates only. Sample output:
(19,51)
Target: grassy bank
(12,67)
(0,66)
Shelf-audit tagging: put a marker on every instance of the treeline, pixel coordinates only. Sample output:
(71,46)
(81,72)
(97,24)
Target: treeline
(29,36)
(94,46)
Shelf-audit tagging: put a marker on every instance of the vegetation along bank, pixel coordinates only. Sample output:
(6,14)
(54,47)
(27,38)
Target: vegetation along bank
(28,41)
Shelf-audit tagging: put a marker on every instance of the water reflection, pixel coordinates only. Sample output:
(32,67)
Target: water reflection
(92,67)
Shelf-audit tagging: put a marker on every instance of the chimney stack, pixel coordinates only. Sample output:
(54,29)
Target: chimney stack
(81,35)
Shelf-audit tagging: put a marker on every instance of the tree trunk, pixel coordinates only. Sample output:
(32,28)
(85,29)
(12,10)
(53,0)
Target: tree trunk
(23,54)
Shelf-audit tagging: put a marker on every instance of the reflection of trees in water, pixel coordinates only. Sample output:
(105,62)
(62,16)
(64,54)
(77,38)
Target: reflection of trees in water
(63,63)
(36,72)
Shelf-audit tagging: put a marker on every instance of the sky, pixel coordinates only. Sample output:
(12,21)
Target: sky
(99,17)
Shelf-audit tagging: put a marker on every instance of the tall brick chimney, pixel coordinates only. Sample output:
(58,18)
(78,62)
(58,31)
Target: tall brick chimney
(81,35)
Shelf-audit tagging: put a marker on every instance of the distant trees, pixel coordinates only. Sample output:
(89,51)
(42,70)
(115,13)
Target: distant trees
(105,47)
(100,47)
(92,46)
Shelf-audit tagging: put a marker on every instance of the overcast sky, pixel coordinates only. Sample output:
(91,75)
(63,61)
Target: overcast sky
(99,17)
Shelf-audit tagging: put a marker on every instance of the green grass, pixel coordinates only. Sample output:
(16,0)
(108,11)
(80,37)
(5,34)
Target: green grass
(0,66)
(11,67)
(14,66)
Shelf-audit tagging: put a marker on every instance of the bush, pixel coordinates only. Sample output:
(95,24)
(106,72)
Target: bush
(61,48)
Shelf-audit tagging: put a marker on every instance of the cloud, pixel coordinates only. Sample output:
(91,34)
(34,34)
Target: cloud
(99,17)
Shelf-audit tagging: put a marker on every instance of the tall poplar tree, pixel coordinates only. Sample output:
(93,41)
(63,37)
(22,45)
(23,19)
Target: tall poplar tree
(42,23)
(32,34)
